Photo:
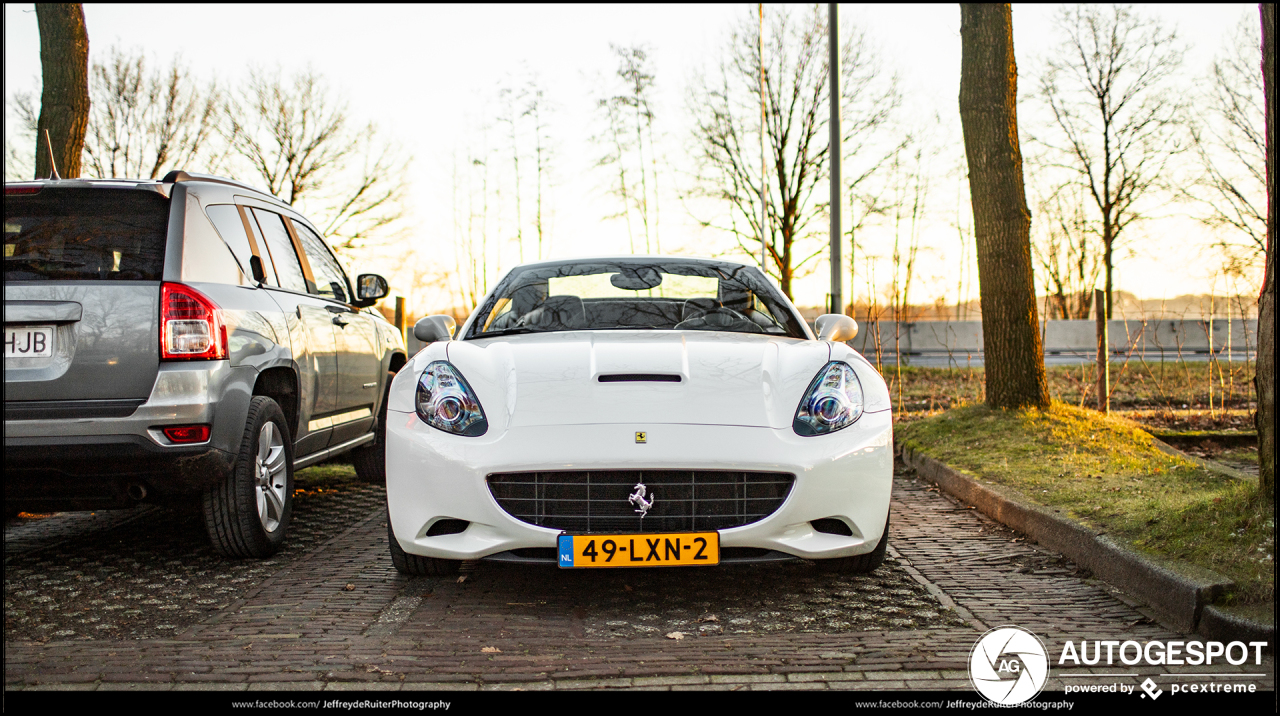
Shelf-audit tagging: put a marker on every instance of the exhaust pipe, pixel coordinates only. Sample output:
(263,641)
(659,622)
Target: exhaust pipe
(137,491)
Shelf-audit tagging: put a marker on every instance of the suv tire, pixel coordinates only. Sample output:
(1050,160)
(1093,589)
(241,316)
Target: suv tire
(370,460)
(862,563)
(414,565)
(248,514)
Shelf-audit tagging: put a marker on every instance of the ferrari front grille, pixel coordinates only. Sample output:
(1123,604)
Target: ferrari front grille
(612,501)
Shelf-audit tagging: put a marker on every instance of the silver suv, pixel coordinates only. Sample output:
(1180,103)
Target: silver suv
(185,339)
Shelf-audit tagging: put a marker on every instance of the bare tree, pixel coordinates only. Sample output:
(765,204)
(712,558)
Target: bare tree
(1067,253)
(726,108)
(145,121)
(1230,146)
(19,164)
(909,193)
(1012,349)
(1265,379)
(627,139)
(1114,112)
(64,100)
(142,122)
(294,134)
(537,109)
(510,115)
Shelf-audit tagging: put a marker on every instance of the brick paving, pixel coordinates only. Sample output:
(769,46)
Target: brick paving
(338,617)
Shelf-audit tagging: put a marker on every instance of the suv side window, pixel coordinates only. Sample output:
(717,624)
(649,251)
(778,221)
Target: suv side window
(330,280)
(282,254)
(226,220)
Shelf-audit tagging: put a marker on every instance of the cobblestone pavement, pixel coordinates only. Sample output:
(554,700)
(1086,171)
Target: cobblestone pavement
(330,612)
(145,572)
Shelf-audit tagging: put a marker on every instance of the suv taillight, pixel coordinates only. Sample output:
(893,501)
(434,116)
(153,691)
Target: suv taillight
(191,326)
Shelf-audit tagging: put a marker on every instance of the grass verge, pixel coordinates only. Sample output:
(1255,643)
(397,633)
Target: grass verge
(1106,472)
(329,476)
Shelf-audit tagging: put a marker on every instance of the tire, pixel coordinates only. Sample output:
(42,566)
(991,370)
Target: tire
(862,563)
(248,514)
(415,566)
(370,461)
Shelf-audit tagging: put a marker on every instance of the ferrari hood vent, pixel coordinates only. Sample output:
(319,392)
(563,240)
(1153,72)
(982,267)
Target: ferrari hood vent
(639,378)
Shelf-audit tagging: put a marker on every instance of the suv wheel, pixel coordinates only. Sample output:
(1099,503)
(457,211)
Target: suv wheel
(414,565)
(247,515)
(862,563)
(370,460)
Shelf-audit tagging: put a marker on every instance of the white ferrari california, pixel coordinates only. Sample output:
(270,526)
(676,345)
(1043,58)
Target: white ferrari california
(638,411)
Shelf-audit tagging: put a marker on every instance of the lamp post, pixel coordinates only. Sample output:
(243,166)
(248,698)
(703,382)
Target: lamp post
(764,159)
(834,157)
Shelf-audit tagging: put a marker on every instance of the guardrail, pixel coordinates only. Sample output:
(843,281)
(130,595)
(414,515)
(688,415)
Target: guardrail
(1159,339)
(961,341)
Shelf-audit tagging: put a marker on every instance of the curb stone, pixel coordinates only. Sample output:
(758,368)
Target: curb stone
(1182,594)
(1222,625)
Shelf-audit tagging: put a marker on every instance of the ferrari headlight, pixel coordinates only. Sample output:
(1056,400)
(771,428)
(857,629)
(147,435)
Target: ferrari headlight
(833,401)
(446,402)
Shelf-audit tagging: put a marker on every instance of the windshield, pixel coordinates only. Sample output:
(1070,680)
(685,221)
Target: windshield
(648,294)
(85,234)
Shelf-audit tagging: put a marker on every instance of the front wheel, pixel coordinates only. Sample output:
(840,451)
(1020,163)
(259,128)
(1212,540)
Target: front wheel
(370,461)
(248,514)
(862,563)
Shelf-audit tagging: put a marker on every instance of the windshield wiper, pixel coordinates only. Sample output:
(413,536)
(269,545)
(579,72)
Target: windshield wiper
(508,332)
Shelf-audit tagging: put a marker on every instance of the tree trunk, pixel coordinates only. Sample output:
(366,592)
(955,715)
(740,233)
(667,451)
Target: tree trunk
(1106,259)
(64,101)
(1002,222)
(1265,378)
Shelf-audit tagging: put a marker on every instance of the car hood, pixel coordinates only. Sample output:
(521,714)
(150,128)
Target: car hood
(724,378)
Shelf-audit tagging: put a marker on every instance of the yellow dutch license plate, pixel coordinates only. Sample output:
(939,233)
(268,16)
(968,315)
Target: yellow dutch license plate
(676,549)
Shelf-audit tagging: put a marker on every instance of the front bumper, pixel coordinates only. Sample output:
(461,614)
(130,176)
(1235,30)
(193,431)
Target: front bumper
(84,463)
(432,476)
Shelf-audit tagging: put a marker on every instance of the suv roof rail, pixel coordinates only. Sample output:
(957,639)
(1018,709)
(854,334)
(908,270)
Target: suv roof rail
(178,175)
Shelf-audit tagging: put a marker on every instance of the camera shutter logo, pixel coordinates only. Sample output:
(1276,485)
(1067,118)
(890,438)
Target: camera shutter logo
(1008,665)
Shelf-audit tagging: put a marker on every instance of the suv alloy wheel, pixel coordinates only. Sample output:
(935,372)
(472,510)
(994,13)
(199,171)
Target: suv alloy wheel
(248,514)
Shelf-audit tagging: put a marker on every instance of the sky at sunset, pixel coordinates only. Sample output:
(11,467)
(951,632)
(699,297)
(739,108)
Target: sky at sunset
(429,77)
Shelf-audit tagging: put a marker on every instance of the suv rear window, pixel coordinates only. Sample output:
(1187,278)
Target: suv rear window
(85,235)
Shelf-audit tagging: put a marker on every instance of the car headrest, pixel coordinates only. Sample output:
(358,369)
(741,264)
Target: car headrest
(527,298)
(558,312)
(695,307)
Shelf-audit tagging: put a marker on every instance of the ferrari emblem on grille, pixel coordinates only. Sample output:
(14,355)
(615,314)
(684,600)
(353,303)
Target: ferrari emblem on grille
(641,438)
(637,498)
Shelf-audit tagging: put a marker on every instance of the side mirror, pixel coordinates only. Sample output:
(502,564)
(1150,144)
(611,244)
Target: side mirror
(435,328)
(255,267)
(836,327)
(369,288)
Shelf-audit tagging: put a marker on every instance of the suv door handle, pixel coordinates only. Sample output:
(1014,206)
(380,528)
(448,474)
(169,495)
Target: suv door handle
(337,321)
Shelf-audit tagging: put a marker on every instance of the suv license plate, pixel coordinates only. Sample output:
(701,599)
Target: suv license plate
(28,342)
(676,549)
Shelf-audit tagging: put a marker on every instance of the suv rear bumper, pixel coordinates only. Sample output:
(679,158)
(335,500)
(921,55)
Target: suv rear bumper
(87,463)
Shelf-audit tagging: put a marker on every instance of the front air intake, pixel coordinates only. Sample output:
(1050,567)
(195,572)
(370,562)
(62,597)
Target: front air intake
(601,501)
